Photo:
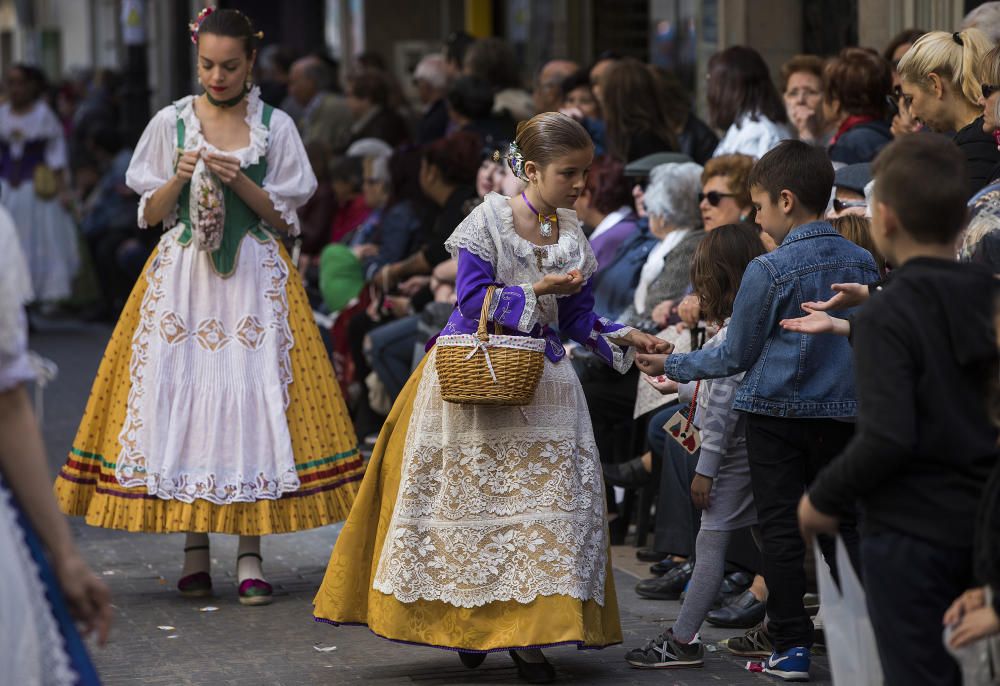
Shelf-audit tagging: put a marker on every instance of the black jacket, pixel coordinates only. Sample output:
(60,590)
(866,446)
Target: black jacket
(434,123)
(697,140)
(981,155)
(925,356)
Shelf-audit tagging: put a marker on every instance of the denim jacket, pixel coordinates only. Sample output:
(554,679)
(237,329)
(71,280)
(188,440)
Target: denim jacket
(790,374)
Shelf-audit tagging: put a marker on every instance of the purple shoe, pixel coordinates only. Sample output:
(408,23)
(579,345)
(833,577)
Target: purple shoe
(255,592)
(197,585)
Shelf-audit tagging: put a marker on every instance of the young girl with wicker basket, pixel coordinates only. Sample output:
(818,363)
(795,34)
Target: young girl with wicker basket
(480,524)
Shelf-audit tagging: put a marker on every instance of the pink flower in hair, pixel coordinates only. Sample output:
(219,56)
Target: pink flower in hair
(196,24)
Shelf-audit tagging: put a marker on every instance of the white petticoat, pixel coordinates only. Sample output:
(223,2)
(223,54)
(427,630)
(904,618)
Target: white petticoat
(498,503)
(32,650)
(210,371)
(48,240)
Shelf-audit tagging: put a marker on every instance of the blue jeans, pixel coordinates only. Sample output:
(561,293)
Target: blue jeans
(391,353)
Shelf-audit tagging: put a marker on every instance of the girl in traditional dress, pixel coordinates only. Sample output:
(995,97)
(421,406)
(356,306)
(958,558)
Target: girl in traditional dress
(215,408)
(32,167)
(478,528)
(46,584)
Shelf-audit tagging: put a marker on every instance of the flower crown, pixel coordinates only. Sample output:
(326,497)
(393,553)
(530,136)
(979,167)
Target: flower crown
(515,160)
(195,26)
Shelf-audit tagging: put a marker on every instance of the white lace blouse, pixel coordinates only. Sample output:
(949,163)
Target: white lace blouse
(289,180)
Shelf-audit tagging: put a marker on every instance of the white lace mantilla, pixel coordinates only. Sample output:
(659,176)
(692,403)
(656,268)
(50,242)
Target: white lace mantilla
(210,371)
(33,650)
(488,233)
(498,503)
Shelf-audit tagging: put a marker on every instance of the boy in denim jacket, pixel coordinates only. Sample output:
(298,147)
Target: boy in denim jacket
(798,393)
(925,351)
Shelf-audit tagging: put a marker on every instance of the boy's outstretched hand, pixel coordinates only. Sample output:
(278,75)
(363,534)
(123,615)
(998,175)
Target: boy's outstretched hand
(651,364)
(661,384)
(816,323)
(847,295)
(812,521)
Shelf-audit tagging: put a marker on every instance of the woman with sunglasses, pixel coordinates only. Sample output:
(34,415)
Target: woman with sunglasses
(940,85)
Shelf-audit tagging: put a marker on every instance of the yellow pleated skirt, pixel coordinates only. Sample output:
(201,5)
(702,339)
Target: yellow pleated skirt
(327,461)
(347,596)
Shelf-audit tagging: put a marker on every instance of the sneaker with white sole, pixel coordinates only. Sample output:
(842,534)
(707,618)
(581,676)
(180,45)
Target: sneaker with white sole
(666,652)
(790,665)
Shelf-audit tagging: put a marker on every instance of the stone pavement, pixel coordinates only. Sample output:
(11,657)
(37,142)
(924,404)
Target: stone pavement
(160,639)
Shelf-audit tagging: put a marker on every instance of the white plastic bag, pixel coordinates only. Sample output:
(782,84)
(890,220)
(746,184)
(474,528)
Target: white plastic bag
(850,641)
(207,208)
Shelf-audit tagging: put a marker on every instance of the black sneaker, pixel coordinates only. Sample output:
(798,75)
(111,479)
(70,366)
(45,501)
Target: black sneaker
(754,643)
(666,652)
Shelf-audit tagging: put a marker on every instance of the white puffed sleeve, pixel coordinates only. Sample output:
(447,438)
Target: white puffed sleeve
(289,180)
(152,162)
(55,140)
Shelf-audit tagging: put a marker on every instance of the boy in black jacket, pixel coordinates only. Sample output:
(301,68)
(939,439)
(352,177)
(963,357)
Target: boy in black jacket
(924,353)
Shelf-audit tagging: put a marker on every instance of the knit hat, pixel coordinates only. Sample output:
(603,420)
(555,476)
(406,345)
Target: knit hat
(341,276)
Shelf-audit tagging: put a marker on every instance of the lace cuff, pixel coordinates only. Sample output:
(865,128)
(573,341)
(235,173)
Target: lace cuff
(169,221)
(287,212)
(622,357)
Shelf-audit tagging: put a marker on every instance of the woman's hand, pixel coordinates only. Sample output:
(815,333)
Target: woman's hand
(973,599)
(661,384)
(974,626)
(88,598)
(414,285)
(701,487)
(651,365)
(847,295)
(365,250)
(805,120)
(559,284)
(690,310)
(185,165)
(817,323)
(227,168)
(661,313)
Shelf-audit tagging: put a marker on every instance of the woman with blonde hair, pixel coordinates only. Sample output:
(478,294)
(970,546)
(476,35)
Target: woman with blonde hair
(942,88)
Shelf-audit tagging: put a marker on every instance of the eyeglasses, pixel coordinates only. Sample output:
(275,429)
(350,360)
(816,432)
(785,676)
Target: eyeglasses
(841,205)
(714,197)
(989,90)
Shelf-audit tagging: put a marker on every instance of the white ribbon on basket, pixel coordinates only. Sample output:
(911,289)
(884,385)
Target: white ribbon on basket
(482,345)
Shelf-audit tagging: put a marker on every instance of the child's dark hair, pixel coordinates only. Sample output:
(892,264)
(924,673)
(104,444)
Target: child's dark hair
(232,24)
(348,170)
(718,265)
(923,179)
(456,157)
(578,79)
(549,135)
(798,167)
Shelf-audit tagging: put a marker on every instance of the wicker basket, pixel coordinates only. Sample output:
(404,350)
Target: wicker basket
(480,369)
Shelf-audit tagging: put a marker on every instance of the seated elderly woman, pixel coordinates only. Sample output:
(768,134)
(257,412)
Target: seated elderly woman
(671,202)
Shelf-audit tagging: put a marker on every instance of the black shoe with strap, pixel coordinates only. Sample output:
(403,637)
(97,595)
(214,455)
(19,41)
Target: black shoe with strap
(741,612)
(668,586)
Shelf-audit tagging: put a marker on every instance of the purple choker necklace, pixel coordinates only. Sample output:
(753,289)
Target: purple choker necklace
(544,221)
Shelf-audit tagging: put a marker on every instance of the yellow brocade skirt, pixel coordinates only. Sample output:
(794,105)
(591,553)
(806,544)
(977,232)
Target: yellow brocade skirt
(347,596)
(327,461)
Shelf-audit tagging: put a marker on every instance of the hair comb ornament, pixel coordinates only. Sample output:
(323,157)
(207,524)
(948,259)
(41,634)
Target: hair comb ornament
(195,26)
(515,160)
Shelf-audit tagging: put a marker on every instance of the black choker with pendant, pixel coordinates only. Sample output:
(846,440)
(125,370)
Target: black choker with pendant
(231,101)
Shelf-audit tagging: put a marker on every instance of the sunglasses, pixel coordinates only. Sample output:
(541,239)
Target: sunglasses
(841,205)
(714,197)
(989,90)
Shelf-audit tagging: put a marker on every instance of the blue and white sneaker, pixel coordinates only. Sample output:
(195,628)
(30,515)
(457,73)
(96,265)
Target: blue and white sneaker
(790,665)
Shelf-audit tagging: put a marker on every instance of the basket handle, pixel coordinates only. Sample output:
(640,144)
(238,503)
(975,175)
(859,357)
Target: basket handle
(481,332)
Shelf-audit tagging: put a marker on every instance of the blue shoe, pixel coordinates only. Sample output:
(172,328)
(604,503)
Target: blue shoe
(790,665)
